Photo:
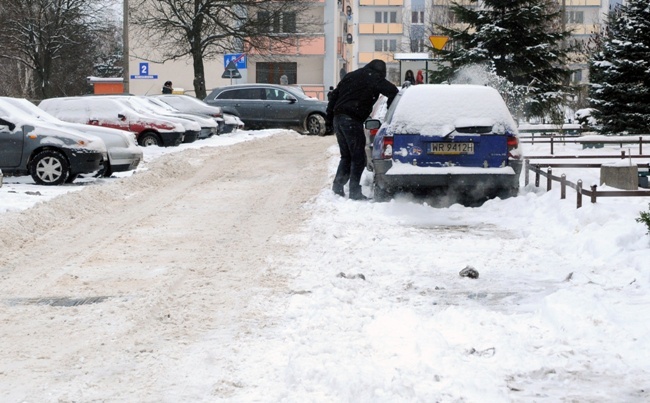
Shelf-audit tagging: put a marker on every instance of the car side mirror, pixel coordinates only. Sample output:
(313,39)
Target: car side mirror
(291,99)
(121,117)
(371,124)
(7,123)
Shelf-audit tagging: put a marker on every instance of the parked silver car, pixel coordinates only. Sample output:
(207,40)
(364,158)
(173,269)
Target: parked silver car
(123,151)
(270,106)
(52,155)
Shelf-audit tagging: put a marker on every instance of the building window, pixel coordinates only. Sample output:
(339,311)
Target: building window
(384,17)
(575,17)
(385,45)
(576,76)
(417,45)
(270,72)
(277,22)
(417,17)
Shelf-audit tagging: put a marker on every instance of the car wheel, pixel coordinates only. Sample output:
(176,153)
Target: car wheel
(316,125)
(149,139)
(49,167)
(380,195)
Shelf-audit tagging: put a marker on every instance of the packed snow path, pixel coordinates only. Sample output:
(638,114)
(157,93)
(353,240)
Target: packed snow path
(178,251)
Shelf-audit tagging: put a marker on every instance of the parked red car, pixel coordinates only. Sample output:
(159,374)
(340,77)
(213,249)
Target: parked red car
(150,130)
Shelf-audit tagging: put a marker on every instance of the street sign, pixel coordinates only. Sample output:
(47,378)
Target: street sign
(238,58)
(438,41)
(231,71)
(143,72)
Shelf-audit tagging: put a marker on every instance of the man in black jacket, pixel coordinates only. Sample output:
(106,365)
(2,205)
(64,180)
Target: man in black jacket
(349,106)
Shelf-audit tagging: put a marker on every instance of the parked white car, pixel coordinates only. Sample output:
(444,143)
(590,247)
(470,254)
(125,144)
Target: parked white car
(188,104)
(123,151)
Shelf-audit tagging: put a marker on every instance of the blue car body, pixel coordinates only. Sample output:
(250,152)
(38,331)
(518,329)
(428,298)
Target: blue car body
(447,137)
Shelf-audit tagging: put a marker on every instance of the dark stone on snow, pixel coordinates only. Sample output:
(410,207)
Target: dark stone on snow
(469,271)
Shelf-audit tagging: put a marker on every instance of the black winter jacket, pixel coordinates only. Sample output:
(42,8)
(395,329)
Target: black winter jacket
(358,91)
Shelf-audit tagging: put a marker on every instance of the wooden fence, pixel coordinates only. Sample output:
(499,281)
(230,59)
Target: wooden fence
(552,140)
(593,193)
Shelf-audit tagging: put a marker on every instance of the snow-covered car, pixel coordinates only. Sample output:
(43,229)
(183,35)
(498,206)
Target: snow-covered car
(142,106)
(460,139)
(52,155)
(108,112)
(209,127)
(271,106)
(188,104)
(123,151)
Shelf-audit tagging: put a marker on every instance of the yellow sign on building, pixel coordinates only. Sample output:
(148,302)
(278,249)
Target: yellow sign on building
(438,41)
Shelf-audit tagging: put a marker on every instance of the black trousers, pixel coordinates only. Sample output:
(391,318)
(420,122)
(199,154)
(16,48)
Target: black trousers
(352,144)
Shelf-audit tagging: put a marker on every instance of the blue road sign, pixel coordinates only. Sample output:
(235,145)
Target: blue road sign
(238,58)
(143,72)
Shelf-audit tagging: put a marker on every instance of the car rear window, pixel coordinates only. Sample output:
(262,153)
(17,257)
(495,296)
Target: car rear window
(439,109)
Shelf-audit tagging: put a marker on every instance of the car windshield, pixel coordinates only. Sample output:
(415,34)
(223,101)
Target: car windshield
(30,109)
(158,105)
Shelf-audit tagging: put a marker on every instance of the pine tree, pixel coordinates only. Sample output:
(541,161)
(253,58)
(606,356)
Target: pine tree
(520,40)
(620,71)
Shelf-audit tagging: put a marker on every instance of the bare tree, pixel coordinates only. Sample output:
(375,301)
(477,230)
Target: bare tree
(49,43)
(205,29)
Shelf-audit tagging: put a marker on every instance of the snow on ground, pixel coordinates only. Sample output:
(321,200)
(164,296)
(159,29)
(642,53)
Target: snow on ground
(560,311)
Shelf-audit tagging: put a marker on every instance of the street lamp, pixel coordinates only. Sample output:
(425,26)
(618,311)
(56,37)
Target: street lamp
(125,45)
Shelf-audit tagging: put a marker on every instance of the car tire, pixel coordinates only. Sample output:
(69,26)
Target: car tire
(380,195)
(149,139)
(315,125)
(50,168)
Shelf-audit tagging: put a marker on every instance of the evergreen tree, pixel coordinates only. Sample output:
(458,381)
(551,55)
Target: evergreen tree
(520,40)
(620,71)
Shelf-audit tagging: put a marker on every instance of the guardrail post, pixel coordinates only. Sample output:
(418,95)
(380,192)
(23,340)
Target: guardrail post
(526,173)
(563,187)
(537,169)
(593,193)
(549,179)
(640,145)
(579,196)
(622,153)
(552,145)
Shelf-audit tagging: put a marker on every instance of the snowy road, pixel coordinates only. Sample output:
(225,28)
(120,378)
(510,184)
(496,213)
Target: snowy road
(214,274)
(178,250)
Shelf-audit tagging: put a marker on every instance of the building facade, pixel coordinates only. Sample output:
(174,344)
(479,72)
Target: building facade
(352,33)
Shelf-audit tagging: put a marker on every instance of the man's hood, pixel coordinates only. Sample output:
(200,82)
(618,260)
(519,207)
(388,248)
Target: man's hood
(378,66)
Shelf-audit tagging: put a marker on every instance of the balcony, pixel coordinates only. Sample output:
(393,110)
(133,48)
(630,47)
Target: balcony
(302,46)
(366,57)
(583,3)
(368,29)
(381,2)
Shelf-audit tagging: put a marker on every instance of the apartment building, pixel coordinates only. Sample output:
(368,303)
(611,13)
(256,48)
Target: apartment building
(310,62)
(352,33)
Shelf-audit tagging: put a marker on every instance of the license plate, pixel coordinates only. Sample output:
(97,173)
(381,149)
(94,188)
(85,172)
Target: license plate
(451,148)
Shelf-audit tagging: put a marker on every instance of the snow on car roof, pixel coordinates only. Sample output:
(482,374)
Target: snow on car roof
(436,109)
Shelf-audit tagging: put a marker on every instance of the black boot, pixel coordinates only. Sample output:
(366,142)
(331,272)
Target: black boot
(338,189)
(357,196)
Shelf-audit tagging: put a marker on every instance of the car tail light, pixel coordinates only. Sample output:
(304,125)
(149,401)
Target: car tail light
(513,142)
(387,148)
(373,132)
